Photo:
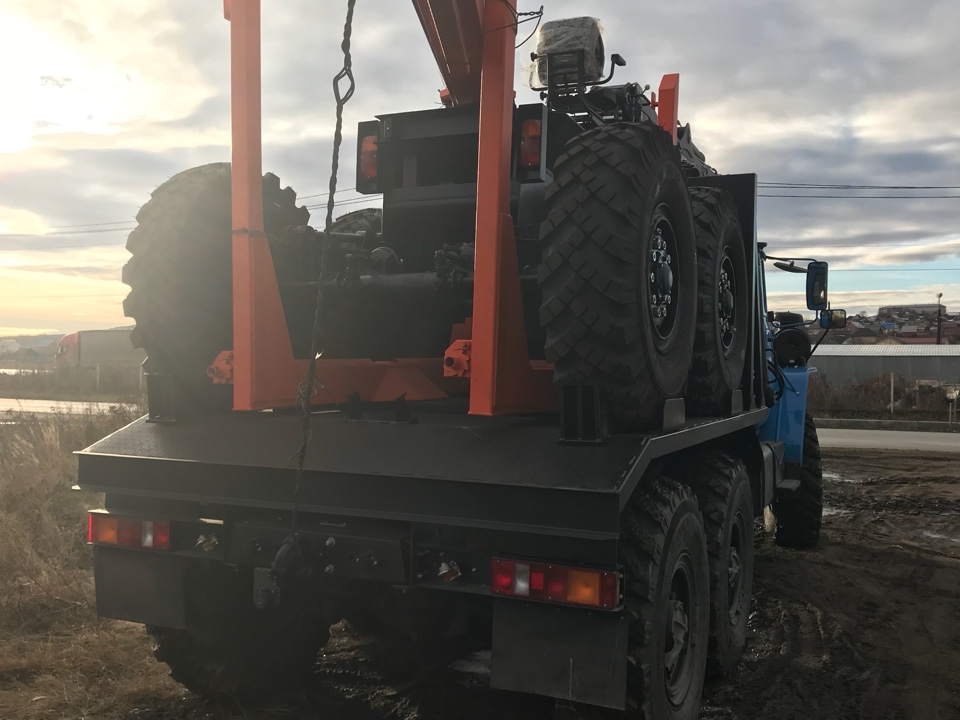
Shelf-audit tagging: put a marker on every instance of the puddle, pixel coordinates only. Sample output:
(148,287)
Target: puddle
(834,477)
(830,511)
(476,665)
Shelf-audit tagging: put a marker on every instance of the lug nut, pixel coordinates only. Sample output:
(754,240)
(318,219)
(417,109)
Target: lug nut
(329,569)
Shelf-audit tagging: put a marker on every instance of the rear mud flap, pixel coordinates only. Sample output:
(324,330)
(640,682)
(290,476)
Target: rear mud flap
(139,586)
(566,653)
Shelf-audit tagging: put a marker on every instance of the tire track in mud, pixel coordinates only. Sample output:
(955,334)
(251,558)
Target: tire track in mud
(867,626)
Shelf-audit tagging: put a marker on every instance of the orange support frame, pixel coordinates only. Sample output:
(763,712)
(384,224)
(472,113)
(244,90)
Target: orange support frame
(502,380)
(264,372)
(668,104)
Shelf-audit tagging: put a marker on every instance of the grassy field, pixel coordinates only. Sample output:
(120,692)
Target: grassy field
(58,659)
(78,384)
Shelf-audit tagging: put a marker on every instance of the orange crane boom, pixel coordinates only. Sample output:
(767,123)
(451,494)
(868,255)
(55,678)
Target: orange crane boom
(454,29)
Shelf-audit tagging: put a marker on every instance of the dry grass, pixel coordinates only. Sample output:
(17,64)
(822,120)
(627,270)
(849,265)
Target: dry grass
(871,399)
(120,384)
(58,660)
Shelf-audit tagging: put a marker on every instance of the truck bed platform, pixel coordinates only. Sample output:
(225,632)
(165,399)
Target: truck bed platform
(507,473)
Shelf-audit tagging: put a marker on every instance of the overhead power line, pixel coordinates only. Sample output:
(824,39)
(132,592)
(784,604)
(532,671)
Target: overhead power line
(68,227)
(893,270)
(103,230)
(107,227)
(862,197)
(62,297)
(824,186)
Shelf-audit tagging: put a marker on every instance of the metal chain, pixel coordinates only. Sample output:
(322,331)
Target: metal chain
(290,548)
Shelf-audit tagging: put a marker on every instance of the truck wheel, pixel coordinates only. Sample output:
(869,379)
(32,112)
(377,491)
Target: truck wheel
(667,599)
(618,276)
(800,513)
(230,650)
(180,275)
(720,345)
(723,489)
(364,220)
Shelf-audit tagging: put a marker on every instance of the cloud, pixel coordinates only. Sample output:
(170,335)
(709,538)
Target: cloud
(859,92)
(869,301)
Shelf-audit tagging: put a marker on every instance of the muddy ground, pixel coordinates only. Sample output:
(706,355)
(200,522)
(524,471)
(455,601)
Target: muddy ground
(866,627)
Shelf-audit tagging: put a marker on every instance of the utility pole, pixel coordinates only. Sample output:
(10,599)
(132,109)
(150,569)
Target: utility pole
(939,295)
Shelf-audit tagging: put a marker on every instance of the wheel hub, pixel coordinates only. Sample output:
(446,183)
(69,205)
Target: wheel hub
(735,577)
(726,303)
(678,651)
(679,625)
(662,275)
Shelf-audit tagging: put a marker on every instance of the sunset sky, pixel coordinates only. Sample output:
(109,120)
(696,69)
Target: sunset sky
(102,101)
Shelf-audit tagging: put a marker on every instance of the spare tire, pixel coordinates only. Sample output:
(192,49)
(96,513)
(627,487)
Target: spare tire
(618,276)
(720,347)
(181,280)
(364,220)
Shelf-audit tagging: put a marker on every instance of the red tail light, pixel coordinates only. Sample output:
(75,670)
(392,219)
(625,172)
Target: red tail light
(555,583)
(104,529)
(531,132)
(368,157)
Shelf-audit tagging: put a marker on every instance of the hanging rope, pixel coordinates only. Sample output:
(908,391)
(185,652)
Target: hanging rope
(344,86)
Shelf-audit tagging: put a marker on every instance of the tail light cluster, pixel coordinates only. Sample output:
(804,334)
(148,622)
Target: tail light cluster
(531,139)
(368,157)
(104,529)
(555,583)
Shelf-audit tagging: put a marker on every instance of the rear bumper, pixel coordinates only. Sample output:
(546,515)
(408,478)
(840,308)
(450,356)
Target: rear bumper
(566,653)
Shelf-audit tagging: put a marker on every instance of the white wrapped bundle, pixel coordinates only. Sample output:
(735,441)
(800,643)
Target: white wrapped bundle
(557,36)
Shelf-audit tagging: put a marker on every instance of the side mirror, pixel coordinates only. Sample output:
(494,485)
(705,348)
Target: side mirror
(833,319)
(817,286)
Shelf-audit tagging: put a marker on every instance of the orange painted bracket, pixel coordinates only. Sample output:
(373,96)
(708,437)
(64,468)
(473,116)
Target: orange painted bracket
(456,361)
(668,104)
(221,370)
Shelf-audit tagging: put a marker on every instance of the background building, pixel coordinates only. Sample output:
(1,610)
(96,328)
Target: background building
(845,364)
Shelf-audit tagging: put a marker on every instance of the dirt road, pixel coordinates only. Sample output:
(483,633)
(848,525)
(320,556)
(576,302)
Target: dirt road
(15,405)
(866,627)
(890,440)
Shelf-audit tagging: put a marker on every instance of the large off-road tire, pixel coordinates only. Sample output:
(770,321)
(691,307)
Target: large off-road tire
(180,275)
(618,276)
(723,297)
(230,650)
(723,489)
(664,553)
(364,220)
(800,514)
